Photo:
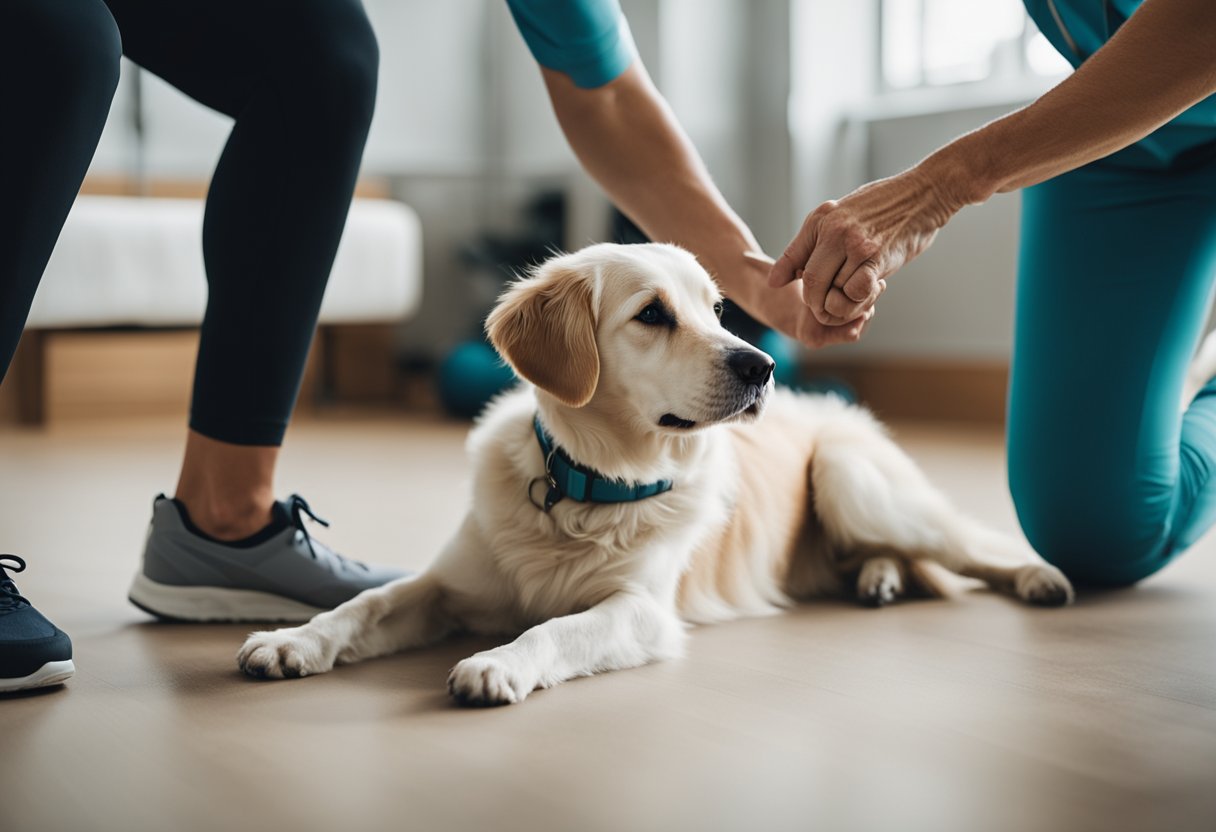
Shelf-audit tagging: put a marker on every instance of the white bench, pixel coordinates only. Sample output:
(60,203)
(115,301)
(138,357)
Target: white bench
(126,261)
(137,261)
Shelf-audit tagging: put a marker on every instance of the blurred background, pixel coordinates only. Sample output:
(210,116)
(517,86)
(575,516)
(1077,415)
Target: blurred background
(790,102)
(960,715)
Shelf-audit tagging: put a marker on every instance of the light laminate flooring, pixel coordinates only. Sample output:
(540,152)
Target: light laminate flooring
(970,714)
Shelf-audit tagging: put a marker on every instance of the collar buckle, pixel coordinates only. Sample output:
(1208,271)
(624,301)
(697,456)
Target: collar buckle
(581,484)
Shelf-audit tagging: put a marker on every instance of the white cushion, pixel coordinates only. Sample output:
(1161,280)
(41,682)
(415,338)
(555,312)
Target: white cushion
(138,261)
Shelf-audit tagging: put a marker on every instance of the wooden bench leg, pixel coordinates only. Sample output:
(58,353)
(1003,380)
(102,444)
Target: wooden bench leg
(28,377)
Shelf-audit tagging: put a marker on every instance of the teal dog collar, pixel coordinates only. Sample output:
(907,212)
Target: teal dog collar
(566,478)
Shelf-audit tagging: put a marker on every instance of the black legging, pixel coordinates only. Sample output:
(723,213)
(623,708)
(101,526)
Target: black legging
(299,78)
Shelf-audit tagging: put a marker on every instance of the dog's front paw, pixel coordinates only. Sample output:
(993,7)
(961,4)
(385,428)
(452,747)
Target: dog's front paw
(283,654)
(1043,585)
(486,680)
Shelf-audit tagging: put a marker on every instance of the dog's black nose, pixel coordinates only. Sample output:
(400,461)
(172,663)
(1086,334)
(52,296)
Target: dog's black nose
(751,366)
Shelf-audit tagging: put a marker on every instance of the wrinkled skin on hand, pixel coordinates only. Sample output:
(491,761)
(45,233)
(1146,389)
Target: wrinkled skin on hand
(846,249)
(782,308)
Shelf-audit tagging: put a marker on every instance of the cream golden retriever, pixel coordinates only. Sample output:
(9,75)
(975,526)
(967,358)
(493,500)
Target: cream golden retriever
(634,381)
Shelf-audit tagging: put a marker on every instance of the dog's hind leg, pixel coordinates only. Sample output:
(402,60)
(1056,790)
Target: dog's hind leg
(1002,561)
(869,494)
(880,581)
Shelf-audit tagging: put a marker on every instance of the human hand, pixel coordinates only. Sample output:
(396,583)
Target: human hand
(783,309)
(846,249)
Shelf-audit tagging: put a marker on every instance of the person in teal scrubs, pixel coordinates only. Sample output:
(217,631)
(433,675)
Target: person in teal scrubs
(1111,478)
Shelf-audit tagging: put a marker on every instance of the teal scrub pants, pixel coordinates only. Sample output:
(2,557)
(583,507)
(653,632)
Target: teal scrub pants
(1111,479)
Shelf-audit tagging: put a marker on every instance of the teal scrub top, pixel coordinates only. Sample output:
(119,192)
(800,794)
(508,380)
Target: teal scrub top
(588,40)
(1082,28)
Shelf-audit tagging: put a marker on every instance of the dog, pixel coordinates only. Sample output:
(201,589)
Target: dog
(629,489)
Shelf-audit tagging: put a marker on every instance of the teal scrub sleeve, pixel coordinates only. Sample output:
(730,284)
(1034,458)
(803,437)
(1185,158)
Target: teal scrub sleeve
(589,40)
(1079,28)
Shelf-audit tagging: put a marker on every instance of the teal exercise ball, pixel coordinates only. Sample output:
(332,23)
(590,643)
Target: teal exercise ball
(784,351)
(469,376)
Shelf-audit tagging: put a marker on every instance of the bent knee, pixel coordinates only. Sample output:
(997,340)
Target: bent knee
(1100,565)
(78,48)
(1115,549)
(341,57)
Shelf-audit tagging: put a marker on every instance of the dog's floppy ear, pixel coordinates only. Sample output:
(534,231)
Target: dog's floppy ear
(544,326)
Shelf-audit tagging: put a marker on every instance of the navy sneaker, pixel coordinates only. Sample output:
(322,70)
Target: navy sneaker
(281,573)
(34,653)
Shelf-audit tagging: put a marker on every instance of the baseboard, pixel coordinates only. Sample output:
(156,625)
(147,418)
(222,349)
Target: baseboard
(21,399)
(938,390)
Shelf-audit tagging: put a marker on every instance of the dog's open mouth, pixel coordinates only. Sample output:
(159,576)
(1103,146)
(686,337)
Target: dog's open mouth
(751,408)
(670,420)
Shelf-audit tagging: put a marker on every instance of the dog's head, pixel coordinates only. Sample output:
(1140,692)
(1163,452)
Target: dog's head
(636,328)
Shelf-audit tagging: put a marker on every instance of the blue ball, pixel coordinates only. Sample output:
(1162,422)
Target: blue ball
(469,376)
(784,352)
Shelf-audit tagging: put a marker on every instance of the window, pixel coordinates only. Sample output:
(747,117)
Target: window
(930,43)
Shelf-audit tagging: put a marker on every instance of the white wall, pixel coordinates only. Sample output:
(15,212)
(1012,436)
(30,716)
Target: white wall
(955,301)
(833,65)
(429,119)
(429,113)
(116,151)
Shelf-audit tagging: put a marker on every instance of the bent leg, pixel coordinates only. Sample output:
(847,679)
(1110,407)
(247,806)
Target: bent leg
(58,70)
(299,79)
(625,630)
(1115,281)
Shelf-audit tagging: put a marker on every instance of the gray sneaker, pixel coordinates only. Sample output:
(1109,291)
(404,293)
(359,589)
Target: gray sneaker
(279,574)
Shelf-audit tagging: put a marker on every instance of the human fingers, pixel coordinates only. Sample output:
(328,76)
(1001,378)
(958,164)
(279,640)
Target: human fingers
(818,275)
(799,250)
(855,291)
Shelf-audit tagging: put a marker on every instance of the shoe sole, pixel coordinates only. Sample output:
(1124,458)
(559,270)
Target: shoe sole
(51,673)
(215,604)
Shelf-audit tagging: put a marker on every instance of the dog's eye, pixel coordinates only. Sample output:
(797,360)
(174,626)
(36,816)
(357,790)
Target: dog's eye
(652,315)
(719,308)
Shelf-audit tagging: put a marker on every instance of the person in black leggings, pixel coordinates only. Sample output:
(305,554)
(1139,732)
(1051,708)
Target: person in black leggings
(299,80)
(298,76)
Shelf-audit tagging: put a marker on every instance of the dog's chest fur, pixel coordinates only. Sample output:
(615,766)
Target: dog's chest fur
(576,555)
(717,546)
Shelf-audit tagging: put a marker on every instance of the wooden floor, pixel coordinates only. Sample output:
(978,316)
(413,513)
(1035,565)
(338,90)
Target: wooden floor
(971,714)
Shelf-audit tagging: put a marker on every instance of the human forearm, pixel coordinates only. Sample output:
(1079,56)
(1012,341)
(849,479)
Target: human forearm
(1161,62)
(627,139)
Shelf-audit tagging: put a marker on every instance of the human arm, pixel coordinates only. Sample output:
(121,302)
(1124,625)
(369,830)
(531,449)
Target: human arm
(1160,63)
(629,141)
